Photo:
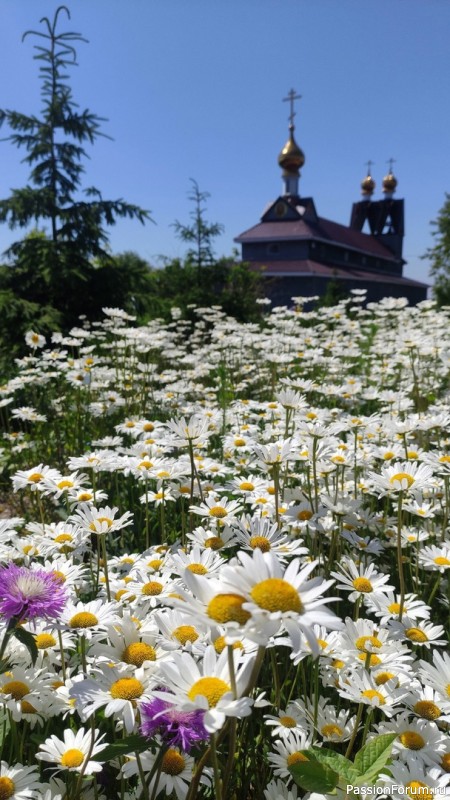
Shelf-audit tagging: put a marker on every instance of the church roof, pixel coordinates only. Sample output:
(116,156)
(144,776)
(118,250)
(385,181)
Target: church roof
(308,268)
(319,229)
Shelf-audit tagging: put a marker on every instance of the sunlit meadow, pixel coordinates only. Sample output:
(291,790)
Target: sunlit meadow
(225,555)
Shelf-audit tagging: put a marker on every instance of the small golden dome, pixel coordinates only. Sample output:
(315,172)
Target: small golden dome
(291,157)
(389,183)
(368,185)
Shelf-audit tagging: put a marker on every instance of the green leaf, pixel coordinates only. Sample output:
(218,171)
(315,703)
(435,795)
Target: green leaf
(373,756)
(27,638)
(131,744)
(314,777)
(335,761)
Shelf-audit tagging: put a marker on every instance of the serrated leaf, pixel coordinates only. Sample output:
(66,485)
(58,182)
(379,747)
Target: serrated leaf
(373,756)
(27,638)
(131,744)
(335,761)
(314,777)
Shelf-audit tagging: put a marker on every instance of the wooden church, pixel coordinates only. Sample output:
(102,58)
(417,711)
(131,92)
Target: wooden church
(299,252)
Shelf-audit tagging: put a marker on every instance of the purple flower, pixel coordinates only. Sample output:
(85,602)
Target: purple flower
(27,594)
(182,729)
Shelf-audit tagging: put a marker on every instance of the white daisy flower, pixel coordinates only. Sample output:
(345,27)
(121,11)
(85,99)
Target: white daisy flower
(18,782)
(117,690)
(361,581)
(74,752)
(173,776)
(275,594)
(207,685)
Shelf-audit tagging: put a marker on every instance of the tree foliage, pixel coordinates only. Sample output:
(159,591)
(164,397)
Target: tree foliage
(226,283)
(60,264)
(439,255)
(199,233)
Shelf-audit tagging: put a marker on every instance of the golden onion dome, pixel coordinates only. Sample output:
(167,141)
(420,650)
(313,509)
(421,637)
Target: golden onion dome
(291,157)
(389,183)
(368,185)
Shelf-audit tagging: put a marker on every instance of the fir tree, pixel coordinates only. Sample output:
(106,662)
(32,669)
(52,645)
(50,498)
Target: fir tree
(55,268)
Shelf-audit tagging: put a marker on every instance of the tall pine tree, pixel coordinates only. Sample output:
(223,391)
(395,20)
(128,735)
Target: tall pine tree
(54,266)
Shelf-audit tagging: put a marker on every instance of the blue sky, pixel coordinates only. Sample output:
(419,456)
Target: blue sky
(194,88)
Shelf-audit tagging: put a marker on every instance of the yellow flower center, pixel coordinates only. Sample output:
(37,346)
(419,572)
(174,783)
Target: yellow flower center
(419,789)
(197,569)
(138,652)
(362,642)
(288,722)
(383,677)
(427,709)
(126,689)
(59,576)
(212,688)
(214,543)
(17,689)
(394,608)
(441,561)
(219,512)
(239,442)
(373,660)
(65,484)
(412,740)
(155,563)
(220,645)
(44,641)
(7,788)
(416,635)
(304,515)
(362,585)
(151,588)
(27,708)
(276,594)
(72,758)
(121,593)
(445,762)
(332,731)
(84,497)
(295,758)
(35,477)
(99,521)
(399,477)
(246,486)
(185,633)
(84,619)
(172,763)
(337,663)
(228,608)
(63,537)
(372,694)
(260,543)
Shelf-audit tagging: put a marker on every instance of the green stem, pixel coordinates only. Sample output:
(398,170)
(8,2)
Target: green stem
(105,567)
(216,770)
(401,573)
(355,730)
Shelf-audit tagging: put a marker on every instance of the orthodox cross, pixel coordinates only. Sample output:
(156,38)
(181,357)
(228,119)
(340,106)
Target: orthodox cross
(369,166)
(291,98)
(390,162)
